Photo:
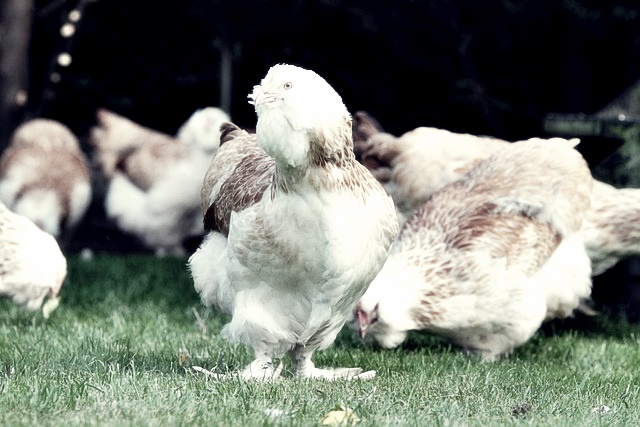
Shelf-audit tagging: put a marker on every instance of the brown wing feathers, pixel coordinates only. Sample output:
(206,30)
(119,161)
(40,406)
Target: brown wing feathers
(252,174)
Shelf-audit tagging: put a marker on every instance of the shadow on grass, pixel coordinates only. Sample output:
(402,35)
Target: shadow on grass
(606,324)
(128,280)
(415,342)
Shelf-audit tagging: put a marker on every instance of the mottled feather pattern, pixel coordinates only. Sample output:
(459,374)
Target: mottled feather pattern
(332,147)
(241,172)
(45,176)
(489,257)
(414,165)
(418,163)
(298,228)
(147,164)
(47,134)
(239,191)
(36,163)
(238,177)
(115,136)
(482,226)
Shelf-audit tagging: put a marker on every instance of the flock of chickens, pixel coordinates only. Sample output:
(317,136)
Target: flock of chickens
(319,219)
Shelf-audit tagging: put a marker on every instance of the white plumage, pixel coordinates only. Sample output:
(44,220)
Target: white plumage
(202,129)
(32,265)
(418,163)
(611,229)
(45,176)
(154,179)
(486,259)
(298,228)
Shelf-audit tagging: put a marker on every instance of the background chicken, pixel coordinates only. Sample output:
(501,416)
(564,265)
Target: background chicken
(45,176)
(612,227)
(298,228)
(489,257)
(418,163)
(415,165)
(154,179)
(202,129)
(32,265)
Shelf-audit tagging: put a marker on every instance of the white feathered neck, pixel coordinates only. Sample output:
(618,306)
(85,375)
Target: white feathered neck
(302,120)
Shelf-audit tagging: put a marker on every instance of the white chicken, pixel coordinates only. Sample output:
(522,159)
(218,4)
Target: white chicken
(486,259)
(32,265)
(297,227)
(154,179)
(202,129)
(45,176)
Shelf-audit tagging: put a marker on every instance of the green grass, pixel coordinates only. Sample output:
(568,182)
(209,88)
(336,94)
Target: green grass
(119,351)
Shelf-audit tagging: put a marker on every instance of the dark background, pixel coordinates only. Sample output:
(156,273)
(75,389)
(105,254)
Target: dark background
(486,67)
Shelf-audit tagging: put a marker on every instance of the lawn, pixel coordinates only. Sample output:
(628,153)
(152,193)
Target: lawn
(120,350)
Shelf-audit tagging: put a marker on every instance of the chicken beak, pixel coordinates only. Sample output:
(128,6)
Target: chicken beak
(363,323)
(259,96)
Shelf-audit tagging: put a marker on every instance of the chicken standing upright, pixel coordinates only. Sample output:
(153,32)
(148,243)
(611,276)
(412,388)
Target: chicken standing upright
(154,178)
(297,227)
(486,259)
(45,176)
(32,265)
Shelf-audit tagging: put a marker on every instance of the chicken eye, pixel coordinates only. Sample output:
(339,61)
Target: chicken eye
(288,85)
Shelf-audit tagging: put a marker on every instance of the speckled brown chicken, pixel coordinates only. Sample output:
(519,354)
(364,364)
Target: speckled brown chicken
(487,258)
(418,163)
(45,176)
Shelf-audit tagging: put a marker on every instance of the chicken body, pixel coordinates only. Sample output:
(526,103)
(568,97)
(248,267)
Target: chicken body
(298,228)
(32,265)
(415,165)
(154,179)
(611,229)
(486,259)
(420,162)
(45,176)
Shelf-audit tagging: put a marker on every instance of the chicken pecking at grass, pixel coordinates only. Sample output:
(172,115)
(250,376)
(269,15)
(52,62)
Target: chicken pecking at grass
(32,266)
(154,178)
(45,176)
(297,227)
(486,259)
